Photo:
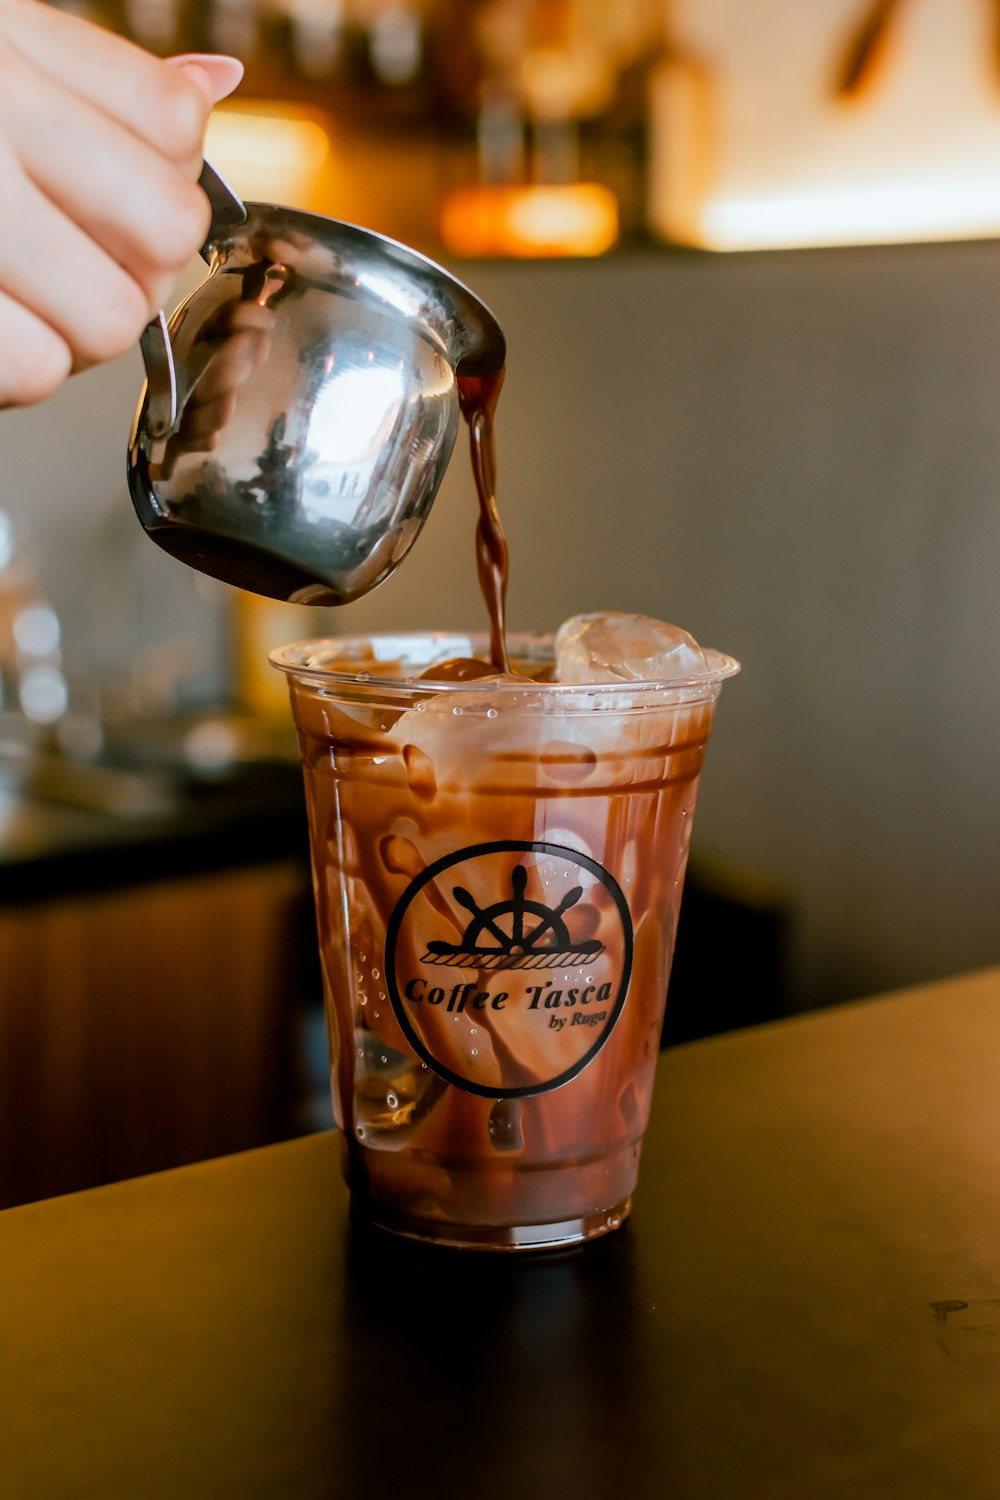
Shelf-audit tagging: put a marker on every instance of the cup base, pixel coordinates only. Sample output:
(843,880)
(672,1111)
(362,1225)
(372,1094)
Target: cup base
(508,1238)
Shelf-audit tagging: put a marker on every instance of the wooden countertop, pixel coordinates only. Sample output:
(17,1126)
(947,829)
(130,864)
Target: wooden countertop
(806,1304)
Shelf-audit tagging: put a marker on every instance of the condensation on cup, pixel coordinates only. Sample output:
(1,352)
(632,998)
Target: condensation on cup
(498,867)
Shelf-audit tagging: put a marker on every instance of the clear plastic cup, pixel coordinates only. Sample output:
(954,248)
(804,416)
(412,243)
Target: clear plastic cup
(498,869)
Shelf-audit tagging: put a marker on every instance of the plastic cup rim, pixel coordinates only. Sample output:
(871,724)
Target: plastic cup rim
(288,659)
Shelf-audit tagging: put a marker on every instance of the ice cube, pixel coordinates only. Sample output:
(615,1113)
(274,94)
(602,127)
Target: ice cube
(613,647)
(517,736)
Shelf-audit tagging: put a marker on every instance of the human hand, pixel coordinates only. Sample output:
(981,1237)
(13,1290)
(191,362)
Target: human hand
(100,153)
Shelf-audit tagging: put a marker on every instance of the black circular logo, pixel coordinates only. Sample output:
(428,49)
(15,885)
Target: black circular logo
(508,965)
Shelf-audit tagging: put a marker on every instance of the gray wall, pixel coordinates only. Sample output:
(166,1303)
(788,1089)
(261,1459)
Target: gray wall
(796,458)
(139,627)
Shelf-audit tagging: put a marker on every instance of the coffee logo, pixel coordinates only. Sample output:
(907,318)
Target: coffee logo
(509,964)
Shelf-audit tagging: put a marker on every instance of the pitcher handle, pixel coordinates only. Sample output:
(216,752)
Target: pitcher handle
(163,398)
(228,209)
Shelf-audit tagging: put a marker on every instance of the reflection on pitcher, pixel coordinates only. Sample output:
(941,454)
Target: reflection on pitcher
(242,332)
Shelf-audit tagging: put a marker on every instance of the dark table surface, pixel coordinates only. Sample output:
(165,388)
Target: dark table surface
(806,1303)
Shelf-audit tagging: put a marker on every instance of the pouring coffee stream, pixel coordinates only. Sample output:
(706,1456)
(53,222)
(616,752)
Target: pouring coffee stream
(302,405)
(478,397)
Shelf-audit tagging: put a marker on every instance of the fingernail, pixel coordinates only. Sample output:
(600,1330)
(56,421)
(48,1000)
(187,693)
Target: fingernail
(214,73)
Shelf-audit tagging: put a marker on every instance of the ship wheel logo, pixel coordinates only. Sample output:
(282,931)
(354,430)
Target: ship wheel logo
(514,934)
(508,964)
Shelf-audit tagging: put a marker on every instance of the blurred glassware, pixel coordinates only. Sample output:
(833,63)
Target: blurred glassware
(395,43)
(555,75)
(153,23)
(234,27)
(317,29)
(159,633)
(34,695)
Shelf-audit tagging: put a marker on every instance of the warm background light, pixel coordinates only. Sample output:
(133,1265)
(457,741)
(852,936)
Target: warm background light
(931,209)
(270,152)
(568,219)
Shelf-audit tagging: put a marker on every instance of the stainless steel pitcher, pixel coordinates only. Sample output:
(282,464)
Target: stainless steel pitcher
(301,405)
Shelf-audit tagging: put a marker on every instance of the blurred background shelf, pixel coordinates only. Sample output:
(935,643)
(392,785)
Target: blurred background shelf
(574,128)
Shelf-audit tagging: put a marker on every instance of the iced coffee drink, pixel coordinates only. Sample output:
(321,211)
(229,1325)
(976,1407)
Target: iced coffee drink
(498,861)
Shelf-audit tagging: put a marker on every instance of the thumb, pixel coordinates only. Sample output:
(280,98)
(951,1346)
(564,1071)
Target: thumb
(215,74)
